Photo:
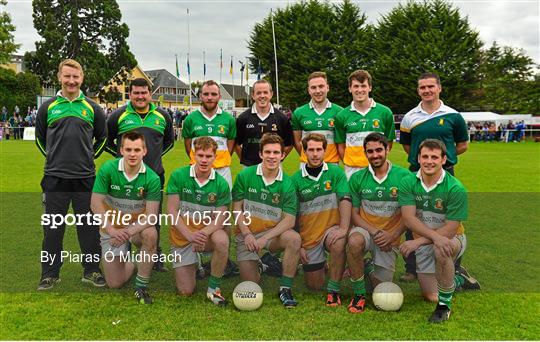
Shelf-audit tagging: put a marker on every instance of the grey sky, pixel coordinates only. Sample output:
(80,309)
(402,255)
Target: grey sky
(158,29)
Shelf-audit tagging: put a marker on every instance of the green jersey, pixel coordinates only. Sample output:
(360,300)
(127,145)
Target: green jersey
(446,200)
(221,127)
(197,198)
(353,126)
(307,120)
(376,200)
(265,203)
(126,195)
(445,124)
(319,201)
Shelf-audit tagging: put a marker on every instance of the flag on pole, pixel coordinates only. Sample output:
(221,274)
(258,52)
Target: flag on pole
(177,69)
(204,64)
(220,59)
(188,68)
(231,68)
(247,70)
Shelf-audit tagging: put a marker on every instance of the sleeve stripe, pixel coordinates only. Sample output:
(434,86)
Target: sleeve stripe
(40,147)
(100,148)
(168,148)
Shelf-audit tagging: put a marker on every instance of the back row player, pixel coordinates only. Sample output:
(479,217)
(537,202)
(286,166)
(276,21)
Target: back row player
(344,129)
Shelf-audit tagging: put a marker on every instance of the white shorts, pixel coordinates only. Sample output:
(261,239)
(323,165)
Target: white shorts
(226,173)
(425,256)
(106,247)
(350,170)
(386,260)
(316,254)
(242,253)
(184,256)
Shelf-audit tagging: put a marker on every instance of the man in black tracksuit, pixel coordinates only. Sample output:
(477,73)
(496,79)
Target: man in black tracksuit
(70,133)
(154,123)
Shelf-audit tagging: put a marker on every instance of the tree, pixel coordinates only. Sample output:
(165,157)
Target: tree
(88,31)
(430,36)
(18,89)
(310,36)
(507,81)
(7,44)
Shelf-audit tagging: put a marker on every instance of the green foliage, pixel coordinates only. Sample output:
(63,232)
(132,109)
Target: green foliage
(310,36)
(508,81)
(417,37)
(7,44)
(90,32)
(18,89)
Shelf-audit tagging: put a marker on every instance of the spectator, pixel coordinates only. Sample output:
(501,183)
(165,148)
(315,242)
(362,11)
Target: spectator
(7,130)
(492,131)
(472,131)
(4,113)
(520,132)
(500,132)
(510,131)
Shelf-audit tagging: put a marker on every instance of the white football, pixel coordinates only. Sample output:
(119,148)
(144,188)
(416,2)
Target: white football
(247,296)
(387,296)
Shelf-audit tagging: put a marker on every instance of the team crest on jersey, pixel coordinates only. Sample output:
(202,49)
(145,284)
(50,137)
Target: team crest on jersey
(376,123)
(441,122)
(274,127)
(328,185)
(438,204)
(393,192)
(84,112)
(140,192)
(157,122)
(275,198)
(331,122)
(221,129)
(212,197)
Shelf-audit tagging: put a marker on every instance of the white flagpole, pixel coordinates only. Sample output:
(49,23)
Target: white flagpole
(275,56)
(189,73)
(232,80)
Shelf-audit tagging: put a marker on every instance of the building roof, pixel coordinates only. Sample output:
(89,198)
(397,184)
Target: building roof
(239,91)
(163,78)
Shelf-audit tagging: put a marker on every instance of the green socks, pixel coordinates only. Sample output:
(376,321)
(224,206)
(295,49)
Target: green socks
(285,282)
(359,286)
(458,281)
(445,295)
(333,286)
(213,283)
(141,282)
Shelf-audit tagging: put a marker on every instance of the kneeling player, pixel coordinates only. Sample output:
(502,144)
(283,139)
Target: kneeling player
(377,219)
(433,204)
(266,198)
(324,217)
(129,188)
(198,198)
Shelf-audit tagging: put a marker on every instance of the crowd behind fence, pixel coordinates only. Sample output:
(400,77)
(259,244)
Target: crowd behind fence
(13,126)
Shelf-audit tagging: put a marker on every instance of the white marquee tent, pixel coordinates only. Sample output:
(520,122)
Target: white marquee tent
(483,116)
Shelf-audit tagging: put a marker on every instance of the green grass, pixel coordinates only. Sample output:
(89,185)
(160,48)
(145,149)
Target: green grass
(502,231)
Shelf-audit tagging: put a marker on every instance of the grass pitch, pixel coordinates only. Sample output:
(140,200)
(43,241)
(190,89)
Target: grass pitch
(503,240)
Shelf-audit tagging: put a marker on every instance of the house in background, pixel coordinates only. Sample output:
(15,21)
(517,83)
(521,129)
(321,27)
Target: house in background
(115,93)
(169,91)
(238,92)
(16,63)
